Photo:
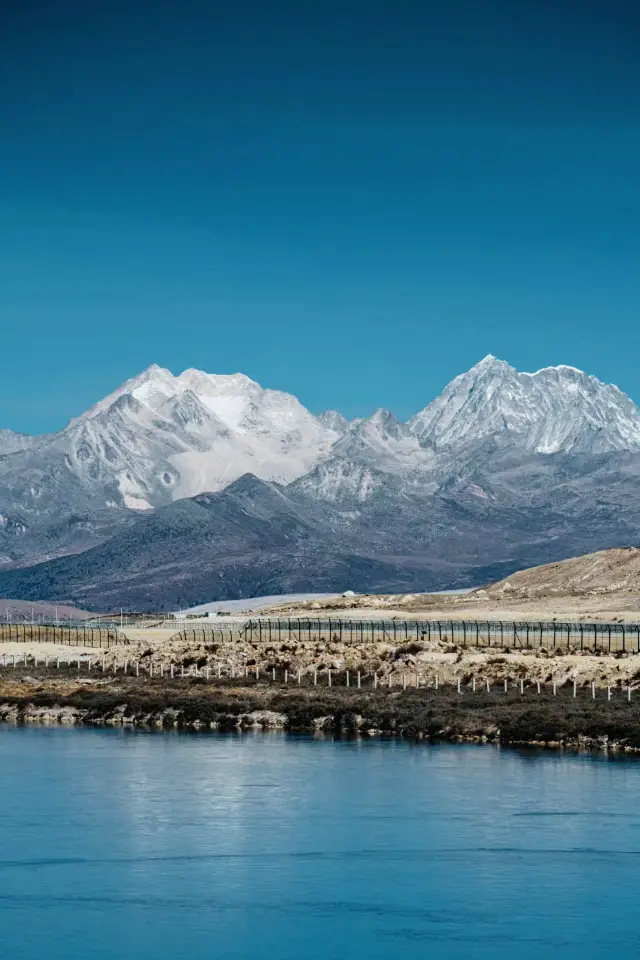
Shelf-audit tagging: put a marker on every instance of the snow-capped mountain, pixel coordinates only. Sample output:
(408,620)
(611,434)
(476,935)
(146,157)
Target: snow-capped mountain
(385,443)
(556,409)
(496,441)
(155,439)
(334,421)
(159,437)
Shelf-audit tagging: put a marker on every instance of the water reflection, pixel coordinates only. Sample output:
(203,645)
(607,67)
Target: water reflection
(281,847)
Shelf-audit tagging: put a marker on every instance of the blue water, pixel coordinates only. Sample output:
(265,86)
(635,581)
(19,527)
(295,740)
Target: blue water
(151,846)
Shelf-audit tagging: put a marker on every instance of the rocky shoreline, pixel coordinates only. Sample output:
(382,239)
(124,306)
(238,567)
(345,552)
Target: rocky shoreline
(512,718)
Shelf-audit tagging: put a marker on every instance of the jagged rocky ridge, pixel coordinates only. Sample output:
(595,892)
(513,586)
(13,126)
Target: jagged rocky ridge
(190,488)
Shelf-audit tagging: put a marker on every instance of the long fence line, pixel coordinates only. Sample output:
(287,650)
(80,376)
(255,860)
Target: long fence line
(510,635)
(77,635)
(481,634)
(124,623)
(311,677)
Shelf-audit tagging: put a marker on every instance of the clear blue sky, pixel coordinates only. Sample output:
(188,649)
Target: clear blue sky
(353,201)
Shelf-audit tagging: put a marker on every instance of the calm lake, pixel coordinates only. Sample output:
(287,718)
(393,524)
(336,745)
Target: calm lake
(136,845)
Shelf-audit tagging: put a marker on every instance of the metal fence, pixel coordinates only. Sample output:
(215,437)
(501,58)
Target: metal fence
(498,634)
(168,623)
(73,636)
(207,636)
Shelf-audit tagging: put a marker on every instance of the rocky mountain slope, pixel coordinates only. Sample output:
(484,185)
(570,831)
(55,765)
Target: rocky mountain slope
(256,538)
(249,539)
(11,442)
(503,470)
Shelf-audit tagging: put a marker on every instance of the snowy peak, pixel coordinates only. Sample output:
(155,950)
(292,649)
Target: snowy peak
(160,436)
(582,414)
(214,384)
(385,423)
(382,429)
(334,420)
(227,396)
(383,442)
(153,384)
(556,409)
(489,364)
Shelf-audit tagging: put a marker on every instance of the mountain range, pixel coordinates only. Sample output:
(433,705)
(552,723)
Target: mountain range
(176,490)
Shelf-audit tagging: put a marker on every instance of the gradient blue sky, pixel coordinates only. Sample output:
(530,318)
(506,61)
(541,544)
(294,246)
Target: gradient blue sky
(353,201)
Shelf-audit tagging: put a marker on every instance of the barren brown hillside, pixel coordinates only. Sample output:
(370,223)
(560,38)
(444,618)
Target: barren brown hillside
(604,572)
